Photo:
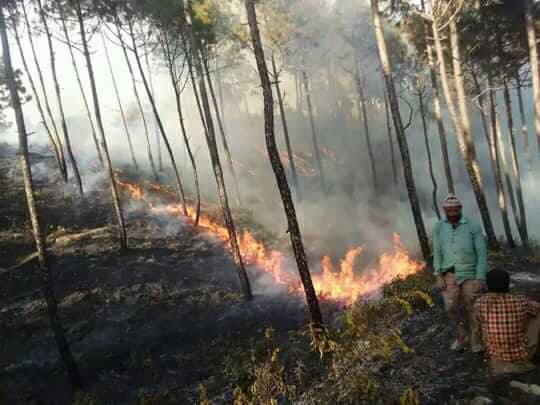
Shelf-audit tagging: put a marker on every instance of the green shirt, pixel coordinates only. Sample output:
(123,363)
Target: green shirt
(462,247)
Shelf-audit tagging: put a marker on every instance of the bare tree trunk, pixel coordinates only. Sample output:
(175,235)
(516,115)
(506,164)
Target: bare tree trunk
(177,93)
(119,101)
(79,82)
(52,142)
(362,103)
(428,150)
(97,111)
(440,123)
(524,129)
(279,171)
(495,157)
(67,142)
(533,62)
(151,83)
(462,127)
(214,156)
(522,223)
(504,170)
(137,98)
(220,94)
(290,154)
(39,239)
(44,91)
(400,131)
(196,92)
(390,137)
(224,141)
(316,150)
(158,118)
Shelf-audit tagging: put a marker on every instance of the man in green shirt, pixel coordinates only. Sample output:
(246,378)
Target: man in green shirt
(460,263)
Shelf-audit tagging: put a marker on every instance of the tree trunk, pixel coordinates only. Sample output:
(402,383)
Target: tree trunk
(214,156)
(39,239)
(290,154)
(151,83)
(279,171)
(158,119)
(495,157)
(462,127)
(440,123)
(533,62)
(504,170)
(79,82)
(362,103)
(522,223)
(224,141)
(428,151)
(97,111)
(524,129)
(390,137)
(177,93)
(119,101)
(137,98)
(52,142)
(400,131)
(67,142)
(316,151)
(45,97)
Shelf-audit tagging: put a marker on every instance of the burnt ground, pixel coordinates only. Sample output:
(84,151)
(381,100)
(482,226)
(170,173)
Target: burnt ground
(165,316)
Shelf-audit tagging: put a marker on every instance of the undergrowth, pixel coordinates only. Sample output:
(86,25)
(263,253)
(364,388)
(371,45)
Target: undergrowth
(339,364)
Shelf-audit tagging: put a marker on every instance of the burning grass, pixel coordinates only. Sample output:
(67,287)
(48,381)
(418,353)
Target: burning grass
(343,284)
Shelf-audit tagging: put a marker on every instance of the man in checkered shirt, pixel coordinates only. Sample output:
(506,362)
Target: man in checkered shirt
(510,325)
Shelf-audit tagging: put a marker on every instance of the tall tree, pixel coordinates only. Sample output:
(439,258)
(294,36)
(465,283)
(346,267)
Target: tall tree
(390,137)
(314,136)
(279,171)
(157,116)
(52,141)
(39,239)
(363,109)
(400,130)
(461,123)
(170,58)
(495,151)
(421,94)
(224,141)
(533,62)
(119,102)
(290,154)
(76,5)
(522,222)
(213,150)
(67,141)
(67,37)
(524,129)
(151,82)
(44,92)
(136,95)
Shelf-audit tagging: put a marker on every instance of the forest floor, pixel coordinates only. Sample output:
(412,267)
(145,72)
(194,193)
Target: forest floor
(164,322)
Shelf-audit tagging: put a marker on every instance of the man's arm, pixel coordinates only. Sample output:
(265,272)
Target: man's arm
(532,308)
(481,253)
(437,251)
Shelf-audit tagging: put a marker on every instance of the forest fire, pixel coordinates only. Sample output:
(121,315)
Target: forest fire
(343,285)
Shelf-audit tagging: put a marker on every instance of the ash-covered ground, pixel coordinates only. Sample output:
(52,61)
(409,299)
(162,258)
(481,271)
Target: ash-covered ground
(165,317)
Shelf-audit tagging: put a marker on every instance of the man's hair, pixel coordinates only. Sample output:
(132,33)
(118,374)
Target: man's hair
(498,281)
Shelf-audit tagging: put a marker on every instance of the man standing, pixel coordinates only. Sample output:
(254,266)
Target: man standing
(510,325)
(460,263)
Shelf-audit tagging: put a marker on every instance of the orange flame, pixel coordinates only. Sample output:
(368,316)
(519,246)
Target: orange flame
(345,285)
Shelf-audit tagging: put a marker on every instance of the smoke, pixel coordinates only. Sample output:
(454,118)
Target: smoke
(351,212)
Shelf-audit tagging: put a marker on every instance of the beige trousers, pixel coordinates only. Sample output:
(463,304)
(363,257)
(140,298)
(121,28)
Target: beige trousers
(459,303)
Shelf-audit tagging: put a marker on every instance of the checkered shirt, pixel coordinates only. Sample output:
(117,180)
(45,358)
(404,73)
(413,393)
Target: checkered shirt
(504,318)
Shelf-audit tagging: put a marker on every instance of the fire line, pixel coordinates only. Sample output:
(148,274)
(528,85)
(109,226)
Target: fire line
(341,284)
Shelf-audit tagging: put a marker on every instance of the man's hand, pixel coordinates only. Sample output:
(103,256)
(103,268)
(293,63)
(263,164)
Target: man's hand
(440,283)
(480,285)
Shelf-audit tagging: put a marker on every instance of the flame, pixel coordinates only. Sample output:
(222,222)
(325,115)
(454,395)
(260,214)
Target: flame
(343,285)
